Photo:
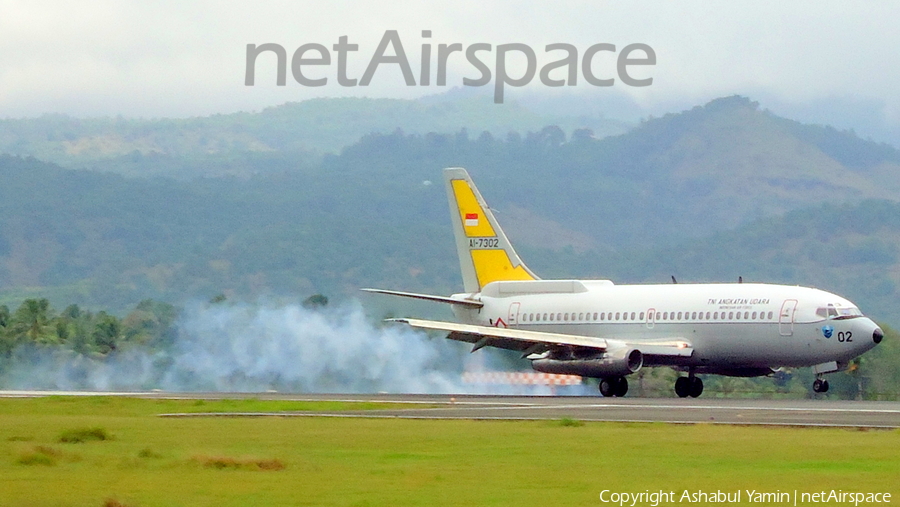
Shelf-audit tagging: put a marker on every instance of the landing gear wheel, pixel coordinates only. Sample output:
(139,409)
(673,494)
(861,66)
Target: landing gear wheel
(682,387)
(696,387)
(820,385)
(608,387)
(613,386)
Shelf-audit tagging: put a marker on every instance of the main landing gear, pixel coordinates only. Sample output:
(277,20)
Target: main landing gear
(820,385)
(689,386)
(613,386)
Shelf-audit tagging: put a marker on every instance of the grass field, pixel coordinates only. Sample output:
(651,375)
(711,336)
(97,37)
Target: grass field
(120,453)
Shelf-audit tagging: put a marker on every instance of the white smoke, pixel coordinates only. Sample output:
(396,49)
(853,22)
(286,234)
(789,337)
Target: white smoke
(256,348)
(252,348)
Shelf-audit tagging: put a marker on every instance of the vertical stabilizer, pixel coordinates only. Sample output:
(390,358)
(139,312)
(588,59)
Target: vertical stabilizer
(485,254)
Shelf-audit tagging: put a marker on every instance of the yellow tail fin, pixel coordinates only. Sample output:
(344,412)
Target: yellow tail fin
(485,254)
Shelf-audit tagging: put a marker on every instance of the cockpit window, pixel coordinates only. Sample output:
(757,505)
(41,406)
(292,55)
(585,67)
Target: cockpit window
(838,312)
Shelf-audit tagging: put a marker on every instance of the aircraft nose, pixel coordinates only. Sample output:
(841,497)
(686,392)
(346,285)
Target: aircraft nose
(877,335)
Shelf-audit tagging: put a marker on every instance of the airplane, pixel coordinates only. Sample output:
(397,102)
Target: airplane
(595,328)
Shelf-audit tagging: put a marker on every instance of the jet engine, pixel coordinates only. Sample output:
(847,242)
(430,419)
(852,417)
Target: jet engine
(613,363)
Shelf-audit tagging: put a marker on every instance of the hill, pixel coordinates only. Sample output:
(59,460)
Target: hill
(193,147)
(661,199)
(849,249)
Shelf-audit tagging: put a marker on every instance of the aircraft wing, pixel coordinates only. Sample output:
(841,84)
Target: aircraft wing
(505,338)
(534,341)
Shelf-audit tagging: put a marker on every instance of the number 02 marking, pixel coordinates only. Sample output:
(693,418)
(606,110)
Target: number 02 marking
(845,336)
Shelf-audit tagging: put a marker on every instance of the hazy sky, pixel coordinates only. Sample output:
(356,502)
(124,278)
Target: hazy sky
(161,58)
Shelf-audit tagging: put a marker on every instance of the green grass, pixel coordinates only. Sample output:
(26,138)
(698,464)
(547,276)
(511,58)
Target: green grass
(82,435)
(154,461)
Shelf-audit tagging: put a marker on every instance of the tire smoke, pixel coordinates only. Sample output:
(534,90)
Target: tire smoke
(263,347)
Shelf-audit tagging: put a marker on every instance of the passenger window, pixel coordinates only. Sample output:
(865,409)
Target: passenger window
(617,315)
(551,317)
(707,315)
(737,316)
(545,317)
(730,315)
(716,316)
(602,316)
(679,315)
(642,316)
(754,316)
(595,315)
(566,317)
(632,315)
(770,315)
(658,316)
(746,315)
(693,315)
(665,316)
(580,316)
(558,316)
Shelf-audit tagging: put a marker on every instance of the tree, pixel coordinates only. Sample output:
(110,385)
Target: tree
(31,322)
(107,332)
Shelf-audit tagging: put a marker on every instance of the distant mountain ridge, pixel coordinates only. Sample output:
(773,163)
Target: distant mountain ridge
(309,128)
(675,195)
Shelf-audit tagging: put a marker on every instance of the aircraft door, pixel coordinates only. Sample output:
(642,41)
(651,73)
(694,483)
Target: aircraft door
(786,317)
(513,319)
(651,318)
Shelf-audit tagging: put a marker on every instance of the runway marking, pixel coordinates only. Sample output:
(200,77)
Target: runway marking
(493,418)
(721,407)
(531,406)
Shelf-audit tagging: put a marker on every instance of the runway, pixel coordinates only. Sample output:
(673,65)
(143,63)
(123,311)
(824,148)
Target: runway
(861,414)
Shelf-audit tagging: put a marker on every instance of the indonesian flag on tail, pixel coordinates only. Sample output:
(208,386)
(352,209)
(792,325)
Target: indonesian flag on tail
(471,219)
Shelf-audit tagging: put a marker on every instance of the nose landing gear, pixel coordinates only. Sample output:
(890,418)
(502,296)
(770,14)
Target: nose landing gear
(614,386)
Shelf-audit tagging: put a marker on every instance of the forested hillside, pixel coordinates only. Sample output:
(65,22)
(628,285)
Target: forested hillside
(141,217)
(701,194)
(216,145)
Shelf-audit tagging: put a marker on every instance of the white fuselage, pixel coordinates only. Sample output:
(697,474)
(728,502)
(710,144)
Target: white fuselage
(731,327)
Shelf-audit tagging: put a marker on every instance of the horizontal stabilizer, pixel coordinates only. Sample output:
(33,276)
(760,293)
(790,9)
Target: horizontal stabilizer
(428,297)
